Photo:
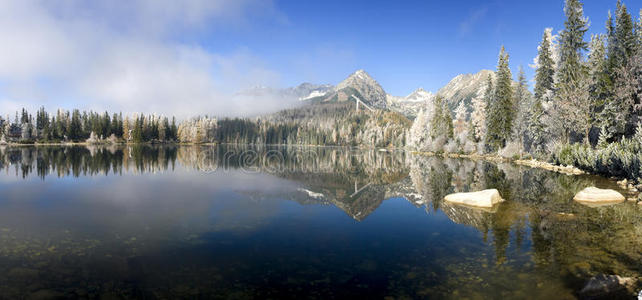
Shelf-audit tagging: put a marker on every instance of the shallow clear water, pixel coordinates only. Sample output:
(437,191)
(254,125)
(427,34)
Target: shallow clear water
(238,222)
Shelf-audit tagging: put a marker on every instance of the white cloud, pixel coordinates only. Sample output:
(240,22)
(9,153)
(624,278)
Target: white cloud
(123,55)
(471,21)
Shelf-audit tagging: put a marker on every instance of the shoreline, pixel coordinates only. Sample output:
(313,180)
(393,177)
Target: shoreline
(632,191)
(623,183)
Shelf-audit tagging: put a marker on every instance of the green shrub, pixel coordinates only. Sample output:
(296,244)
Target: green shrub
(620,159)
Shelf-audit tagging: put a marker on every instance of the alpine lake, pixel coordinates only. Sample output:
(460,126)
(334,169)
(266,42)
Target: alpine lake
(276,222)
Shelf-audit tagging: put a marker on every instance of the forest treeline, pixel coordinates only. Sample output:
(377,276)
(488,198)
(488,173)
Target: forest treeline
(77,126)
(585,110)
(316,124)
(332,124)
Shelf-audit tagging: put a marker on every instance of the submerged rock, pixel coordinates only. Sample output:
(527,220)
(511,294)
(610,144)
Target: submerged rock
(485,198)
(593,195)
(46,295)
(607,287)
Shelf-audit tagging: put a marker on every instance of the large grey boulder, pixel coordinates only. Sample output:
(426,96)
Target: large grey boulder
(595,196)
(485,198)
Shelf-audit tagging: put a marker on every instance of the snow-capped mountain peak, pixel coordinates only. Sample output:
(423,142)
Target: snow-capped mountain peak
(369,88)
(419,95)
(411,104)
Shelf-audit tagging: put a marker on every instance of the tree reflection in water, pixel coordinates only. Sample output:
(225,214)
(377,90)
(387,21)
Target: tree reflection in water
(538,231)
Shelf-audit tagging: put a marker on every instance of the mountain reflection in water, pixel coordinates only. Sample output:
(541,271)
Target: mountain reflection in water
(270,222)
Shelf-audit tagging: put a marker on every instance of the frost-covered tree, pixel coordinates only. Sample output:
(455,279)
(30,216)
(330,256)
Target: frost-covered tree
(501,111)
(419,132)
(478,117)
(544,66)
(620,107)
(537,127)
(522,105)
(623,37)
(441,123)
(598,72)
(638,30)
(461,115)
(571,73)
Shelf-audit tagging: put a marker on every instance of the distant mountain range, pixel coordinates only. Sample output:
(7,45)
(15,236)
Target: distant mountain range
(360,84)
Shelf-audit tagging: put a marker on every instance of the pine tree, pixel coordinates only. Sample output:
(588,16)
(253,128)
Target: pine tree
(599,82)
(545,72)
(571,72)
(137,133)
(489,93)
(478,118)
(461,114)
(174,131)
(419,131)
(522,104)
(441,123)
(501,111)
(75,127)
(537,128)
(622,68)
(625,40)
(126,128)
(604,138)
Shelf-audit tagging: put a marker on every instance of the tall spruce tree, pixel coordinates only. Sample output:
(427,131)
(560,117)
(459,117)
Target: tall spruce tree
(522,104)
(501,112)
(489,99)
(571,72)
(441,124)
(621,52)
(624,41)
(545,72)
(600,84)
(537,128)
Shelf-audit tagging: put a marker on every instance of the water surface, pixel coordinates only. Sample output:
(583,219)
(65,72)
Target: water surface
(274,222)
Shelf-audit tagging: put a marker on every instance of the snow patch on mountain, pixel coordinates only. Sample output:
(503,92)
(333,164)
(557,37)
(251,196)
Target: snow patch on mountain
(370,89)
(314,94)
(464,87)
(411,104)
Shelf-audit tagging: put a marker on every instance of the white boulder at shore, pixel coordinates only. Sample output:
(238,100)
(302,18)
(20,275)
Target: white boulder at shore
(593,195)
(485,198)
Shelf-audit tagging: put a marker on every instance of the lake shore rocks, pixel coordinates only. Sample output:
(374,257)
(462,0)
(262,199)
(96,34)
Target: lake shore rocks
(568,170)
(608,287)
(485,198)
(596,196)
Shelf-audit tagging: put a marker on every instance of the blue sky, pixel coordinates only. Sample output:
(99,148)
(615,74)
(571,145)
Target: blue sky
(406,44)
(191,57)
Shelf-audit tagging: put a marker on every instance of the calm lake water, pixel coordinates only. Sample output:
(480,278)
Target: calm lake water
(245,223)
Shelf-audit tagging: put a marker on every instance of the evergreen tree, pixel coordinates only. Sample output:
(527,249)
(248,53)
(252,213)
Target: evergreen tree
(622,68)
(522,105)
(501,111)
(75,127)
(544,81)
(599,82)
(478,118)
(571,72)
(24,117)
(537,128)
(441,124)
(624,40)
(126,127)
(461,115)
(137,133)
(489,93)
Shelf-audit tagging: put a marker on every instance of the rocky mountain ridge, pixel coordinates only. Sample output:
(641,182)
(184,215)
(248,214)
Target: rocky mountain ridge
(463,87)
